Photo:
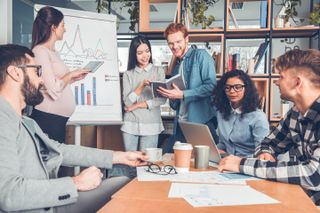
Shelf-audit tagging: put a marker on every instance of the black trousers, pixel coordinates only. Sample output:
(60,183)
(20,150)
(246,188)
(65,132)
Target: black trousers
(55,127)
(51,124)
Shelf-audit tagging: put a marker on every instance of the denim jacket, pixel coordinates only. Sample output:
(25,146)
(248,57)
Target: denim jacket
(200,78)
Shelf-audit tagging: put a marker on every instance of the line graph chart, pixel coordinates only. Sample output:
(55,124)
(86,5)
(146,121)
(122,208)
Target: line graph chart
(77,49)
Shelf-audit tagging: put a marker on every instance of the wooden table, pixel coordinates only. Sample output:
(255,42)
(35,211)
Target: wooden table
(140,197)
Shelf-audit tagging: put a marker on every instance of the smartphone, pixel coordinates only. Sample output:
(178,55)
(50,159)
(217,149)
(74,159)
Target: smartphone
(93,65)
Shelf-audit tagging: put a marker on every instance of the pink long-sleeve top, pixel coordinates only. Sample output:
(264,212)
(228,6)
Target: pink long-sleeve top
(57,99)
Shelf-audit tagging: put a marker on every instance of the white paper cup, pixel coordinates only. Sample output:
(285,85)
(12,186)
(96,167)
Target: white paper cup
(182,156)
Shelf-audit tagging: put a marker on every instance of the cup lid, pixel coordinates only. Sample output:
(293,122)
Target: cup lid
(182,146)
(202,147)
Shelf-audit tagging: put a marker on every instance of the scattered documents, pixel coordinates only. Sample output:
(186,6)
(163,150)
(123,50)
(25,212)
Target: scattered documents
(204,195)
(212,177)
(236,176)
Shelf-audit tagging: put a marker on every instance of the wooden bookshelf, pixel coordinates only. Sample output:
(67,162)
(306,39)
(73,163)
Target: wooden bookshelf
(144,14)
(262,85)
(231,17)
(218,38)
(275,112)
(244,32)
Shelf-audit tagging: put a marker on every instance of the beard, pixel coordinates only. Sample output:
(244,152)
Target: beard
(32,95)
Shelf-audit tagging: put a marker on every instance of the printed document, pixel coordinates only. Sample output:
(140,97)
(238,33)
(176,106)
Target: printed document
(204,195)
(212,177)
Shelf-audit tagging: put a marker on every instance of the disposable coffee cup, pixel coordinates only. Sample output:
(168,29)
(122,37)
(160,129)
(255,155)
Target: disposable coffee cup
(154,154)
(201,156)
(182,156)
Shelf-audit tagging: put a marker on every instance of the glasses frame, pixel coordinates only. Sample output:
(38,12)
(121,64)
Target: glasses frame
(226,89)
(165,170)
(37,67)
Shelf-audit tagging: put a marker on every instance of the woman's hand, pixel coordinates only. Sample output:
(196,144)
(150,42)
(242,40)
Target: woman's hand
(78,74)
(141,86)
(136,106)
(75,75)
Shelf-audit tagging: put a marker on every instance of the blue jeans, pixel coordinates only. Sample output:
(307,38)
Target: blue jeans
(138,142)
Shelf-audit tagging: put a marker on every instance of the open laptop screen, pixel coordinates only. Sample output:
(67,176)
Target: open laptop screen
(199,134)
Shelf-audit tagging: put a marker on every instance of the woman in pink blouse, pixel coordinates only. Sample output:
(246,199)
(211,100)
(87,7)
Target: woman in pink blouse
(58,104)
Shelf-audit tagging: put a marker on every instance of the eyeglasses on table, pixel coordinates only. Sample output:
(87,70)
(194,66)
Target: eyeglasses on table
(164,170)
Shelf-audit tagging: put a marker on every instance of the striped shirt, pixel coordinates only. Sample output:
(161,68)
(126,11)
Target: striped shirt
(300,136)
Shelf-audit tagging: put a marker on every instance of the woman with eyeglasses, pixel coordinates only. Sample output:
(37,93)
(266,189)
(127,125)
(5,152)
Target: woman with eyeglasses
(241,124)
(58,104)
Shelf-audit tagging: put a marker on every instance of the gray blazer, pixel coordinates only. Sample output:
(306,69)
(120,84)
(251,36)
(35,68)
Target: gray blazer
(29,163)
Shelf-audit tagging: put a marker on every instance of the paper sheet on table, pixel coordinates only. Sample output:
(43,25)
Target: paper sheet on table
(201,195)
(190,177)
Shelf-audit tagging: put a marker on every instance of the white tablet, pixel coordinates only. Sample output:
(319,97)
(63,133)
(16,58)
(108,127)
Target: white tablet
(93,65)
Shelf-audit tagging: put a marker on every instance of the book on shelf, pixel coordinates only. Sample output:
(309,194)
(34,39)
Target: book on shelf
(262,103)
(185,18)
(217,60)
(236,61)
(233,17)
(175,18)
(260,54)
(229,62)
(177,80)
(233,61)
(263,13)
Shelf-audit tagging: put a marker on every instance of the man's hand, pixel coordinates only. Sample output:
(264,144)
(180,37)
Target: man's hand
(130,158)
(230,163)
(266,156)
(174,93)
(88,179)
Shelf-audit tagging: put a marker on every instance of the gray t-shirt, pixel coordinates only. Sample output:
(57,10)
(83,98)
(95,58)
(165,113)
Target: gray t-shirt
(183,112)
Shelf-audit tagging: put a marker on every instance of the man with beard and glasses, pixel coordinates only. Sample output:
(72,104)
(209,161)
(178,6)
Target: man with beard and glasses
(297,135)
(197,69)
(29,160)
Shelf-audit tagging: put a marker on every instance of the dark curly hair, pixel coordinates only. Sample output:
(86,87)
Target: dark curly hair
(250,101)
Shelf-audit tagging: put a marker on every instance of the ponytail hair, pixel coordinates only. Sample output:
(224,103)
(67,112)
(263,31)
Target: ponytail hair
(46,18)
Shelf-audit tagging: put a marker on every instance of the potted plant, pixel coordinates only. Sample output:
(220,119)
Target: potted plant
(198,8)
(289,10)
(133,10)
(315,15)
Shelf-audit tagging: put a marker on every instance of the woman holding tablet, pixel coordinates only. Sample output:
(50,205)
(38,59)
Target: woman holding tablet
(142,117)
(241,124)
(58,104)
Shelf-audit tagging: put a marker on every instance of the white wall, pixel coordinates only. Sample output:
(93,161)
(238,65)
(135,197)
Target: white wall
(5,21)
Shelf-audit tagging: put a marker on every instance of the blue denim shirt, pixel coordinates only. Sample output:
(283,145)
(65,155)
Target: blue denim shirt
(240,136)
(200,78)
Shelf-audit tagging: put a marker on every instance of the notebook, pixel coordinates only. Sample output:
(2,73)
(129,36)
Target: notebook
(177,80)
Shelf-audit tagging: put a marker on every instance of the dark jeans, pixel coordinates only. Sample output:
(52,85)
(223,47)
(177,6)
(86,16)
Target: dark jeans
(178,135)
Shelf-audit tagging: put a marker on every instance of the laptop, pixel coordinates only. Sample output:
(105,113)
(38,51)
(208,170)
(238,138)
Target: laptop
(199,134)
